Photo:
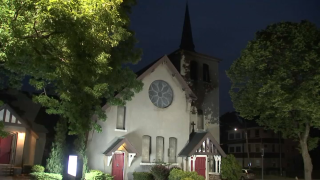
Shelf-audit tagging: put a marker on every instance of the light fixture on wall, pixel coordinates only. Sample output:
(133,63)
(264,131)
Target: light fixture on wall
(21,135)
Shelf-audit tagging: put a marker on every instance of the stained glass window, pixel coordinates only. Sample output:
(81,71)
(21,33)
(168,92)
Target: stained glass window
(160,94)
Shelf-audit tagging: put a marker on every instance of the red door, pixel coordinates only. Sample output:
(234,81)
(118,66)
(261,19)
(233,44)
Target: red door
(200,166)
(117,166)
(5,150)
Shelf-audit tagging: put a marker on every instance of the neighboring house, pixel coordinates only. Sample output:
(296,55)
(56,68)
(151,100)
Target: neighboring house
(278,152)
(26,142)
(158,125)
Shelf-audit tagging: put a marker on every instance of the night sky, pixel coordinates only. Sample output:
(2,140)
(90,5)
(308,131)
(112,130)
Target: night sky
(220,28)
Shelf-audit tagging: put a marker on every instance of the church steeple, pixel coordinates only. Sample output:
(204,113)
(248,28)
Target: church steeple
(186,39)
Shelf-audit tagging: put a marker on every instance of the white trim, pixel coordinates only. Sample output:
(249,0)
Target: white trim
(121,130)
(131,157)
(150,164)
(109,159)
(217,159)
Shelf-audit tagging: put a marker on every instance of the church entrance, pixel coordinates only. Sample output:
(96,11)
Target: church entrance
(118,166)
(200,166)
(5,149)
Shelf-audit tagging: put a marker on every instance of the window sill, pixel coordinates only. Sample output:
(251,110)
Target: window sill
(151,164)
(120,130)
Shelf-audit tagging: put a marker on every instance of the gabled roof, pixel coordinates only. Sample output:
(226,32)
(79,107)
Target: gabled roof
(23,110)
(175,73)
(121,141)
(13,118)
(195,143)
(151,67)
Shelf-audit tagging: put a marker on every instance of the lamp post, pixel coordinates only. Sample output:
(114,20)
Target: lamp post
(262,154)
(247,144)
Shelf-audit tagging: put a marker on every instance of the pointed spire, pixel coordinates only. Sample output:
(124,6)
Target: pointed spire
(186,39)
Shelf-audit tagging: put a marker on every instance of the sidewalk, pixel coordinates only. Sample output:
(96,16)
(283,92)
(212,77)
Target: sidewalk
(271,177)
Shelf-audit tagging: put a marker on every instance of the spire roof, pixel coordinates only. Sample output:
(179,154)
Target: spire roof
(186,39)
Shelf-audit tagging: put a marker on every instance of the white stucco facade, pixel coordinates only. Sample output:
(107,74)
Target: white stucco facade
(142,118)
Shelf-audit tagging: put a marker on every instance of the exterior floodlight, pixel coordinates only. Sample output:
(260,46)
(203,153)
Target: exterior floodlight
(72,165)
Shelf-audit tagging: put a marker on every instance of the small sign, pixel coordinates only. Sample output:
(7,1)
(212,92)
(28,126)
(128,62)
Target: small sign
(72,165)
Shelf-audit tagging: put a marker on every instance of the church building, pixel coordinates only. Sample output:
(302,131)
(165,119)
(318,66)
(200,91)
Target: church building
(173,120)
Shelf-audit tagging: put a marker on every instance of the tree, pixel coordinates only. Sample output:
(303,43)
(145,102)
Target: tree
(3,133)
(80,147)
(75,47)
(230,168)
(277,80)
(55,162)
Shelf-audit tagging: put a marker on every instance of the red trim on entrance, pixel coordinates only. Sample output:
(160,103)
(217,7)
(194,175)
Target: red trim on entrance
(200,166)
(5,149)
(118,166)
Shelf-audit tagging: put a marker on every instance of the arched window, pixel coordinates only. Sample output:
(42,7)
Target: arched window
(121,117)
(172,150)
(206,74)
(159,148)
(146,148)
(194,70)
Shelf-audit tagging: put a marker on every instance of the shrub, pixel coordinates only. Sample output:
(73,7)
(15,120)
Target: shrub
(97,175)
(230,168)
(142,176)
(160,172)
(37,168)
(178,174)
(45,176)
(55,162)
(174,167)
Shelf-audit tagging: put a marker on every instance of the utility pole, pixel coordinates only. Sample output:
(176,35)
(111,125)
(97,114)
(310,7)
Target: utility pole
(280,150)
(262,154)
(246,134)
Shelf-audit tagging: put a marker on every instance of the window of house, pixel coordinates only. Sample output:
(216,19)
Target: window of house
(258,149)
(248,133)
(231,149)
(273,148)
(159,149)
(231,135)
(265,147)
(206,75)
(257,133)
(146,148)
(265,131)
(237,135)
(193,70)
(121,117)
(238,149)
(172,150)
(1,114)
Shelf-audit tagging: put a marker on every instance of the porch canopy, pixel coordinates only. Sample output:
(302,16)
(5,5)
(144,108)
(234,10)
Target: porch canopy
(201,143)
(121,143)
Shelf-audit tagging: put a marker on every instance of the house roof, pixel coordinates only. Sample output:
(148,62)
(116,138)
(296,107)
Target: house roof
(121,141)
(196,141)
(23,108)
(18,121)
